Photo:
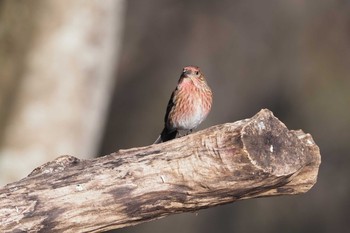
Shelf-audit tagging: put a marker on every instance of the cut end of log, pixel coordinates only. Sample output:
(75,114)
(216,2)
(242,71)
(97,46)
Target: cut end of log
(281,152)
(271,146)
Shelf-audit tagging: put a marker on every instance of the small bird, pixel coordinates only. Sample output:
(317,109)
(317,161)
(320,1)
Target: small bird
(189,104)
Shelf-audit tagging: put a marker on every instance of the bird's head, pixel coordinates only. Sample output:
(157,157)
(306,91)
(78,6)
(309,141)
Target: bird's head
(191,72)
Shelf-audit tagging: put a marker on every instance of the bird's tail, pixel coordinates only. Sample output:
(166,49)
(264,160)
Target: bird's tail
(166,135)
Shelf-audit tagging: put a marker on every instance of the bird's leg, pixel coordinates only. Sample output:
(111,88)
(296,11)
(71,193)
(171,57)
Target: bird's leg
(182,133)
(188,132)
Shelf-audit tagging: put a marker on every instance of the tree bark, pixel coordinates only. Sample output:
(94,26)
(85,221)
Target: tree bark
(250,158)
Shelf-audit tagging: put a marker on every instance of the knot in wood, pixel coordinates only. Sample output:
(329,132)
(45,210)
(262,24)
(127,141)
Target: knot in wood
(59,164)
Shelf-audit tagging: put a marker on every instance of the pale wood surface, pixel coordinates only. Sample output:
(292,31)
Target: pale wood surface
(250,158)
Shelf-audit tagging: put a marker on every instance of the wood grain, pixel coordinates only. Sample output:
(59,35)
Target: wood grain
(250,158)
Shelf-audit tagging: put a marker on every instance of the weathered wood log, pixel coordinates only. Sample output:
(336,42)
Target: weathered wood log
(250,158)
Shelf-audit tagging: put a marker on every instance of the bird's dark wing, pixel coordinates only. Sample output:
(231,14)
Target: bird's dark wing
(169,107)
(168,133)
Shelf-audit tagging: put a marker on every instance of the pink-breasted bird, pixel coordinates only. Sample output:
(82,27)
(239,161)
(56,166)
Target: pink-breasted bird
(189,104)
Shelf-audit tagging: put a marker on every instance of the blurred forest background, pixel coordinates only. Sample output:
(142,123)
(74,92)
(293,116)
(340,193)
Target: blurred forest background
(87,78)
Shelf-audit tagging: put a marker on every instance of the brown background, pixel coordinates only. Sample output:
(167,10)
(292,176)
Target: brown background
(292,57)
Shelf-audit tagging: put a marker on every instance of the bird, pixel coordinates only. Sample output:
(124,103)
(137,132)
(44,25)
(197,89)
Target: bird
(189,104)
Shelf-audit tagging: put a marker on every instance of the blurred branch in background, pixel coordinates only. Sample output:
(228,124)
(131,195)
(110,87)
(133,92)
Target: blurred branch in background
(58,62)
(255,157)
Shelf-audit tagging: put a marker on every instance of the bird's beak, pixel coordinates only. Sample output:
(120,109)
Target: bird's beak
(185,73)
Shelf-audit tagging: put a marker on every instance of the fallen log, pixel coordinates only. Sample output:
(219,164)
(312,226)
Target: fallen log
(251,158)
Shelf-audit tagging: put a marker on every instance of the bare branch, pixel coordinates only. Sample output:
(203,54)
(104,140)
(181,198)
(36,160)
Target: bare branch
(250,158)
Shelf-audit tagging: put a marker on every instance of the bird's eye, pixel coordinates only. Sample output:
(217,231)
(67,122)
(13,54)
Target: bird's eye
(197,72)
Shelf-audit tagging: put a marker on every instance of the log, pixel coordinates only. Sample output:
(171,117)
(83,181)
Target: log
(256,157)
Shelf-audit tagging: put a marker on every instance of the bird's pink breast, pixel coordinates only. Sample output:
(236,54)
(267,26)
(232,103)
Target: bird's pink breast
(191,108)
